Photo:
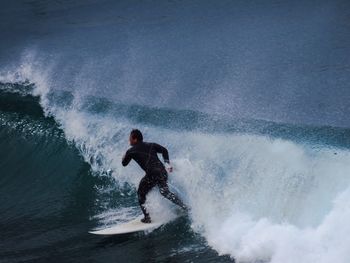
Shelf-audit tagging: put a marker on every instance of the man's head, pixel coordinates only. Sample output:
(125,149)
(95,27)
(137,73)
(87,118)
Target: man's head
(135,137)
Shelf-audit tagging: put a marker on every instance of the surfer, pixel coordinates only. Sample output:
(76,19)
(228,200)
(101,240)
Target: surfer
(145,154)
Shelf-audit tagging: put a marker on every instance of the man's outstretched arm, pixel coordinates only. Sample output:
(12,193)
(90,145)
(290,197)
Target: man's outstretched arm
(126,158)
(163,151)
(165,154)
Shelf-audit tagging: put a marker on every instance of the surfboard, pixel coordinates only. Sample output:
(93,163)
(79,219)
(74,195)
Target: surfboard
(132,226)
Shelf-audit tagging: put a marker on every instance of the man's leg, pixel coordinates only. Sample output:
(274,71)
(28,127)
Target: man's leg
(144,187)
(164,190)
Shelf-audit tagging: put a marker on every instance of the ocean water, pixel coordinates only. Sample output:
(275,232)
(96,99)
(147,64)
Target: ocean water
(251,99)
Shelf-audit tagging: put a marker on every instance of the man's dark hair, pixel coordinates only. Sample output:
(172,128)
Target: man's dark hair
(136,134)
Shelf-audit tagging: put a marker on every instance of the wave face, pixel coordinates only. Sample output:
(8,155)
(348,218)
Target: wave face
(51,196)
(262,161)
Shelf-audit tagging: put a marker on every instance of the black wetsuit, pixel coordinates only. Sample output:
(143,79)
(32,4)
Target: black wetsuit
(145,154)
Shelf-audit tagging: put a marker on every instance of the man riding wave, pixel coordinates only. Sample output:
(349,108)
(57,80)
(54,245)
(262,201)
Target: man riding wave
(145,154)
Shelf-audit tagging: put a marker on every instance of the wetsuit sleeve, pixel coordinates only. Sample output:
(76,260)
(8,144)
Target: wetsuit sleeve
(163,151)
(127,158)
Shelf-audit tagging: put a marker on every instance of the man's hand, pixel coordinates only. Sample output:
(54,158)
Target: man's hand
(168,167)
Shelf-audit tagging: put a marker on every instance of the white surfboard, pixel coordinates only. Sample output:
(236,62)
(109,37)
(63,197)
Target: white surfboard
(132,226)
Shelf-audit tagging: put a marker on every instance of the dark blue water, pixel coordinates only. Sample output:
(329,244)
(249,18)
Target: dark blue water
(251,98)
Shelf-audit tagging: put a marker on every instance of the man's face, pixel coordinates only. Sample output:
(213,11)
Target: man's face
(132,140)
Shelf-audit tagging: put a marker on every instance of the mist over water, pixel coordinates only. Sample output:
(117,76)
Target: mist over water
(279,61)
(200,78)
